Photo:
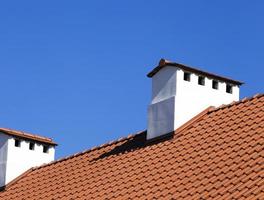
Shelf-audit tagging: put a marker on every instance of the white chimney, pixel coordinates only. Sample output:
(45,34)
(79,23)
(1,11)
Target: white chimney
(180,92)
(20,151)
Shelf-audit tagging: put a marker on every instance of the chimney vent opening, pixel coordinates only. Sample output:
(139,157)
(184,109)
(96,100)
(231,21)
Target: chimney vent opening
(17,142)
(45,149)
(229,89)
(201,80)
(187,76)
(31,145)
(215,84)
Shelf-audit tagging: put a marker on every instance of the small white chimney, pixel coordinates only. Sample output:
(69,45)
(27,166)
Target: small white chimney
(180,92)
(21,151)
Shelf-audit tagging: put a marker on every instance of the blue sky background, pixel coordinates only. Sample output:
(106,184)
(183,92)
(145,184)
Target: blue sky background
(76,70)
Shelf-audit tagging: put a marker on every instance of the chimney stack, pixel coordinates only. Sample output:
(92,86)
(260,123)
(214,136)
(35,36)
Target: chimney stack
(20,151)
(180,92)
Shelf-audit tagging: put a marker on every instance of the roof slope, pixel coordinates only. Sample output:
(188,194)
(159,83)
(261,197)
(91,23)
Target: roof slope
(29,136)
(218,156)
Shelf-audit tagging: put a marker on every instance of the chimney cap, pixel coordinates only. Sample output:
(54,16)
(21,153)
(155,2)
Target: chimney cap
(163,62)
(22,134)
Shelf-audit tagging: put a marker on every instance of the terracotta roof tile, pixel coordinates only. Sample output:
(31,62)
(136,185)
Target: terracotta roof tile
(26,135)
(218,156)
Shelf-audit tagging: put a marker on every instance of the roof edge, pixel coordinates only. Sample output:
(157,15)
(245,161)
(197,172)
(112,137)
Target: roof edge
(16,179)
(91,149)
(197,117)
(163,62)
(186,125)
(177,131)
(223,106)
(181,128)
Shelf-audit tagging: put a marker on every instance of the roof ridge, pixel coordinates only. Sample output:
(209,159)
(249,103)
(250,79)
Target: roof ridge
(245,99)
(89,150)
(184,126)
(180,129)
(200,115)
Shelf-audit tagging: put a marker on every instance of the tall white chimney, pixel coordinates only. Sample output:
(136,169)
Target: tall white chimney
(180,92)
(20,151)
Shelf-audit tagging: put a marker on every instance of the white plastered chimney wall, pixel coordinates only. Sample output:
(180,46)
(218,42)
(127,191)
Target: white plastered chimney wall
(175,100)
(16,160)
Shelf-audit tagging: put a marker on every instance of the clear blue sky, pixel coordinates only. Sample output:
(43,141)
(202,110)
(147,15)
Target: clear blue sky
(76,70)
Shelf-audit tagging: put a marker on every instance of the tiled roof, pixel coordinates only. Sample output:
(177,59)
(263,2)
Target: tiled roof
(163,63)
(22,134)
(219,155)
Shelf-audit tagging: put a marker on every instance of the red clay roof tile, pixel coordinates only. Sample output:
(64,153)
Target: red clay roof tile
(217,156)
